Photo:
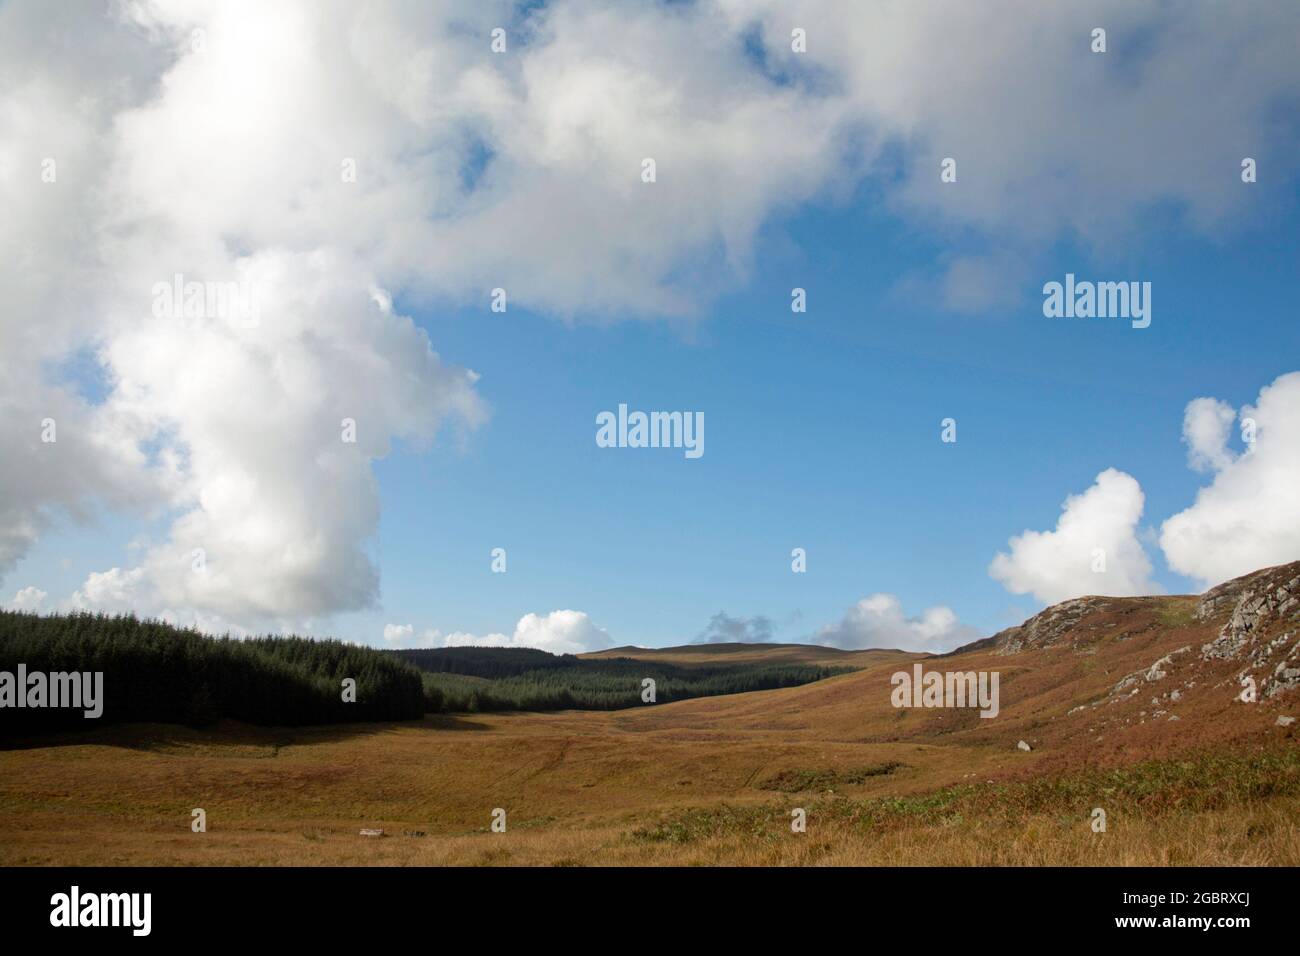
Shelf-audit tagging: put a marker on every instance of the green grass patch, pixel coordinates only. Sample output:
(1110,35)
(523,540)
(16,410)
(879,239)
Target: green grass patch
(1177,612)
(797,781)
(1154,788)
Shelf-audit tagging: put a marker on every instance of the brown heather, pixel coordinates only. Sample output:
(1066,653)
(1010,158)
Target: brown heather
(712,781)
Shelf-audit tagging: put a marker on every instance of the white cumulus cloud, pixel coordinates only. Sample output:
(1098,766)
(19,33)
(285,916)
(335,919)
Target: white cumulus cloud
(217,140)
(879,621)
(560,632)
(1207,423)
(1248,517)
(28,599)
(398,633)
(1094,548)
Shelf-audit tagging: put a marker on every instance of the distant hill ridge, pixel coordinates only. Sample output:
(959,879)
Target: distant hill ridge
(734,652)
(1081,677)
(1086,682)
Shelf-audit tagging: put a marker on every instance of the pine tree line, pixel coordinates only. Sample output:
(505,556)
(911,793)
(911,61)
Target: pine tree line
(160,673)
(156,672)
(483,679)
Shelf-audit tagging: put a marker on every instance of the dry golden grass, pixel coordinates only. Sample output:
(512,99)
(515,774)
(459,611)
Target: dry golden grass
(584,789)
(1262,836)
(711,780)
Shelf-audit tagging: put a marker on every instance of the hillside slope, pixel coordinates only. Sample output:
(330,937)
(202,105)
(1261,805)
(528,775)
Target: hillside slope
(1090,680)
(1131,704)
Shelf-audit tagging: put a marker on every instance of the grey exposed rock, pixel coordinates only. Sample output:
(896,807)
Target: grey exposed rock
(1286,676)
(1155,672)
(1226,596)
(1048,627)
(1262,598)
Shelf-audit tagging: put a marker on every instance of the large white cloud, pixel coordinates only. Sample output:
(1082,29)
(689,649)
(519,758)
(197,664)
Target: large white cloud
(230,431)
(1094,548)
(61,83)
(560,632)
(217,141)
(1049,136)
(210,139)
(879,621)
(1249,516)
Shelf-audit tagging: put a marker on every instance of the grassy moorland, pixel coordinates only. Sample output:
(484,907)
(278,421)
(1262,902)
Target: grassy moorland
(1131,706)
(625,788)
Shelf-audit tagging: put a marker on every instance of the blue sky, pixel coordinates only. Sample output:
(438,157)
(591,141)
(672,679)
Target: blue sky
(924,302)
(822,432)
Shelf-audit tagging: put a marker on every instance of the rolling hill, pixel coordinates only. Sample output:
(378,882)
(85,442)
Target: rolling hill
(704,655)
(1130,706)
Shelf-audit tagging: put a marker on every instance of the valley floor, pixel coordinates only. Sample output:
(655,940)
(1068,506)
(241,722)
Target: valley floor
(1132,710)
(698,782)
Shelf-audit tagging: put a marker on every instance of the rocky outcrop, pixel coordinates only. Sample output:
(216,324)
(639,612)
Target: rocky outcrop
(1259,631)
(1048,627)
(1224,597)
(1262,599)
(1286,675)
(1131,683)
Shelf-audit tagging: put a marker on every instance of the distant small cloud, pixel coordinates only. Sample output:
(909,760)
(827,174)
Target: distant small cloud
(975,284)
(115,591)
(725,629)
(560,632)
(879,621)
(965,284)
(398,633)
(28,599)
